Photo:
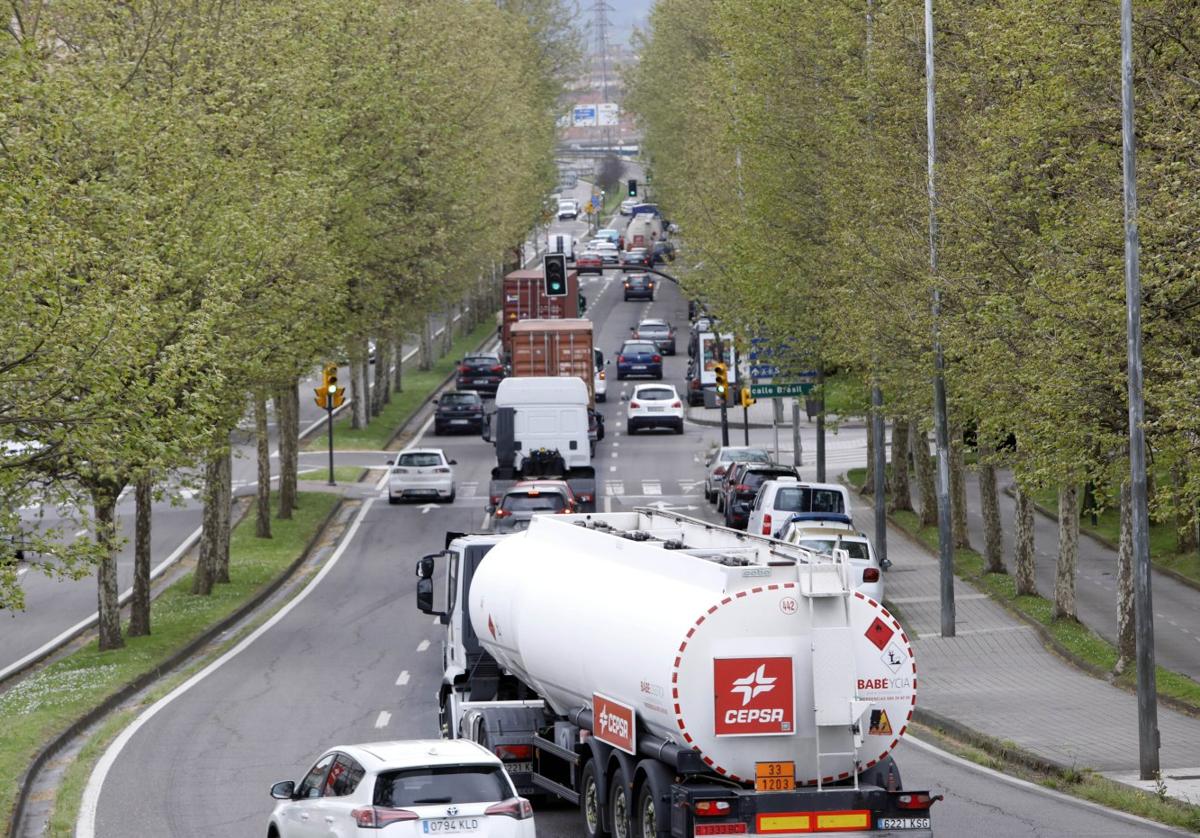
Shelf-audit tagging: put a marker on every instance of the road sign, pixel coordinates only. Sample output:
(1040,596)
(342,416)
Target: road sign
(763,370)
(776,391)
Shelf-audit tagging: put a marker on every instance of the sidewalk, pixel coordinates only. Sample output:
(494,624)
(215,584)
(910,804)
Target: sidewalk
(996,678)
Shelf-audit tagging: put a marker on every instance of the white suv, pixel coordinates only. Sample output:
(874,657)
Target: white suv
(777,500)
(654,406)
(411,788)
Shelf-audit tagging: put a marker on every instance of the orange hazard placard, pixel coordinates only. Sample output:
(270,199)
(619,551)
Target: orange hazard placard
(774,776)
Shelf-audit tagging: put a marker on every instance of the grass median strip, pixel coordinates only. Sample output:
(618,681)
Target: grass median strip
(342,474)
(418,387)
(37,709)
(1074,638)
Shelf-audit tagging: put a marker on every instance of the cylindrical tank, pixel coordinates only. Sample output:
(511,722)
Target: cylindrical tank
(745,664)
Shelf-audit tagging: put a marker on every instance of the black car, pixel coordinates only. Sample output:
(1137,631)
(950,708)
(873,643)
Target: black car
(694,387)
(660,332)
(639,287)
(740,495)
(637,257)
(458,411)
(482,372)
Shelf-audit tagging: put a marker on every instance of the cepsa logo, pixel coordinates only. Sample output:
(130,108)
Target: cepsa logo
(614,723)
(753,696)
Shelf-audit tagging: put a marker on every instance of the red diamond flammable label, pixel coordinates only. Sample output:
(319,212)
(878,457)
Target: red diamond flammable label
(879,633)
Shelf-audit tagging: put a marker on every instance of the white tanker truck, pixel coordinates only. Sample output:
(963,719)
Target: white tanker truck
(675,678)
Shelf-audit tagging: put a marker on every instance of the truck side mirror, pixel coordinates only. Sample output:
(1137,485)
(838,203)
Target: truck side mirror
(425,566)
(485,429)
(425,597)
(885,564)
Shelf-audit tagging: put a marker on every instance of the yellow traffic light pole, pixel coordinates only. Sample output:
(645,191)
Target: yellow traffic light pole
(330,396)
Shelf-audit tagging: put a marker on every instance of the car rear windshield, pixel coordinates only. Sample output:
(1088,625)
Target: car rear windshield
(855,549)
(653,329)
(480,361)
(635,348)
(745,455)
(541,502)
(459,398)
(441,785)
(754,479)
(655,394)
(637,279)
(419,460)
(804,499)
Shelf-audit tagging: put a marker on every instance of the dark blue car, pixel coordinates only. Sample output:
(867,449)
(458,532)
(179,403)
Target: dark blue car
(639,358)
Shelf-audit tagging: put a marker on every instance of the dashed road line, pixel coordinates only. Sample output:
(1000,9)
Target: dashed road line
(382,719)
(423,645)
(403,679)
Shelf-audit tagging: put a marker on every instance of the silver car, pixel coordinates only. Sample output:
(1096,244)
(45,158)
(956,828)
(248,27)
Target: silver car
(719,460)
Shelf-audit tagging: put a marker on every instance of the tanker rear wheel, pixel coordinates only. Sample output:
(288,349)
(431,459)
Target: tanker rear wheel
(648,823)
(590,804)
(621,809)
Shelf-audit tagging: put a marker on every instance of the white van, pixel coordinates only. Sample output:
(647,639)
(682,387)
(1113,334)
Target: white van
(777,500)
(549,413)
(560,243)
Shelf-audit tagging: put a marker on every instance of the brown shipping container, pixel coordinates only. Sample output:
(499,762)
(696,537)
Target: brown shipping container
(554,348)
(525,299)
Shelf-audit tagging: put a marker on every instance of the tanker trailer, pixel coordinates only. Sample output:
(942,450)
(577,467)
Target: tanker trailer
(674,678)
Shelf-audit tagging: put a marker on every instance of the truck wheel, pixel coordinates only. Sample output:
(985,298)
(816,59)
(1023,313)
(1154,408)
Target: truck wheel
(649,823)
(621,808)
(590,803)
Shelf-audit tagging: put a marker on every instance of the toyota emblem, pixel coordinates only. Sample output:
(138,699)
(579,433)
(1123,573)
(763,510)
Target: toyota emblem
(452,811)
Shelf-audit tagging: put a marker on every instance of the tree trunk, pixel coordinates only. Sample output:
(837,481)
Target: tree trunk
(398,375)
(989,504)
(919,443)
(868,486)
(1185,529)
(358,392)
(382,392)
(224,514)
(1023,558)
(1068,552)
(262,507)
(425,356)
(205,575)
(104,504)
(1126,638)
(139,605)
(901,490)
(958,490)
(287,477)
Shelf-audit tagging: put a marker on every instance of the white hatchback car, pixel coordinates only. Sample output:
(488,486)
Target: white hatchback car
(420,787)
(421,473)
(600,377)
(777,500)
(654,406)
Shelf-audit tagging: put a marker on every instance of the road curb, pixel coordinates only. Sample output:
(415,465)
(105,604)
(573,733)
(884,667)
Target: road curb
(25,783)
(852,423)
(990,744)
(1099,539)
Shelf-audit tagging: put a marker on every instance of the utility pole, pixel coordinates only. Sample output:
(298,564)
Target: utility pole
(797,452)
(821,422)
(719,351)
(941,431)
(1147,690)
(877,439)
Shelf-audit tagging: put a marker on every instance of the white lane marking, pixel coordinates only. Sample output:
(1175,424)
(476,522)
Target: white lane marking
(437,621)
(614,455)
(615,487)
(88,806)
(608,503)
(51,645)
(423,645)
(612,468)
(22,572)
(651,487)
(403,679)
(1037,789)
(80,533)
(383,718)
(616,445)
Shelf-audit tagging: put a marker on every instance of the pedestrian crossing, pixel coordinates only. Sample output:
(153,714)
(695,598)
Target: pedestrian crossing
(652,488)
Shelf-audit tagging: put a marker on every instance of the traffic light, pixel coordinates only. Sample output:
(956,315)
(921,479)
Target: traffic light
(554,270)
(633,187)
(329,394)
(722,375)
(747,399)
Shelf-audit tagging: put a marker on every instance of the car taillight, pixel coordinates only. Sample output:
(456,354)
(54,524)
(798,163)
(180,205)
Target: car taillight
(620,359)
(871,574)
(720,470)
(518,808)
(566,510)
(695,384)
(677,403)
(766,525)
(603,375)
(441,470)
(742,487)
(585,498)
(463,369)
(377,817)
(497,369)
(656,358)
(634,405)
(626,284)
(501,513)
(914,801)
(477,408)
(712,808)
(512,752)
